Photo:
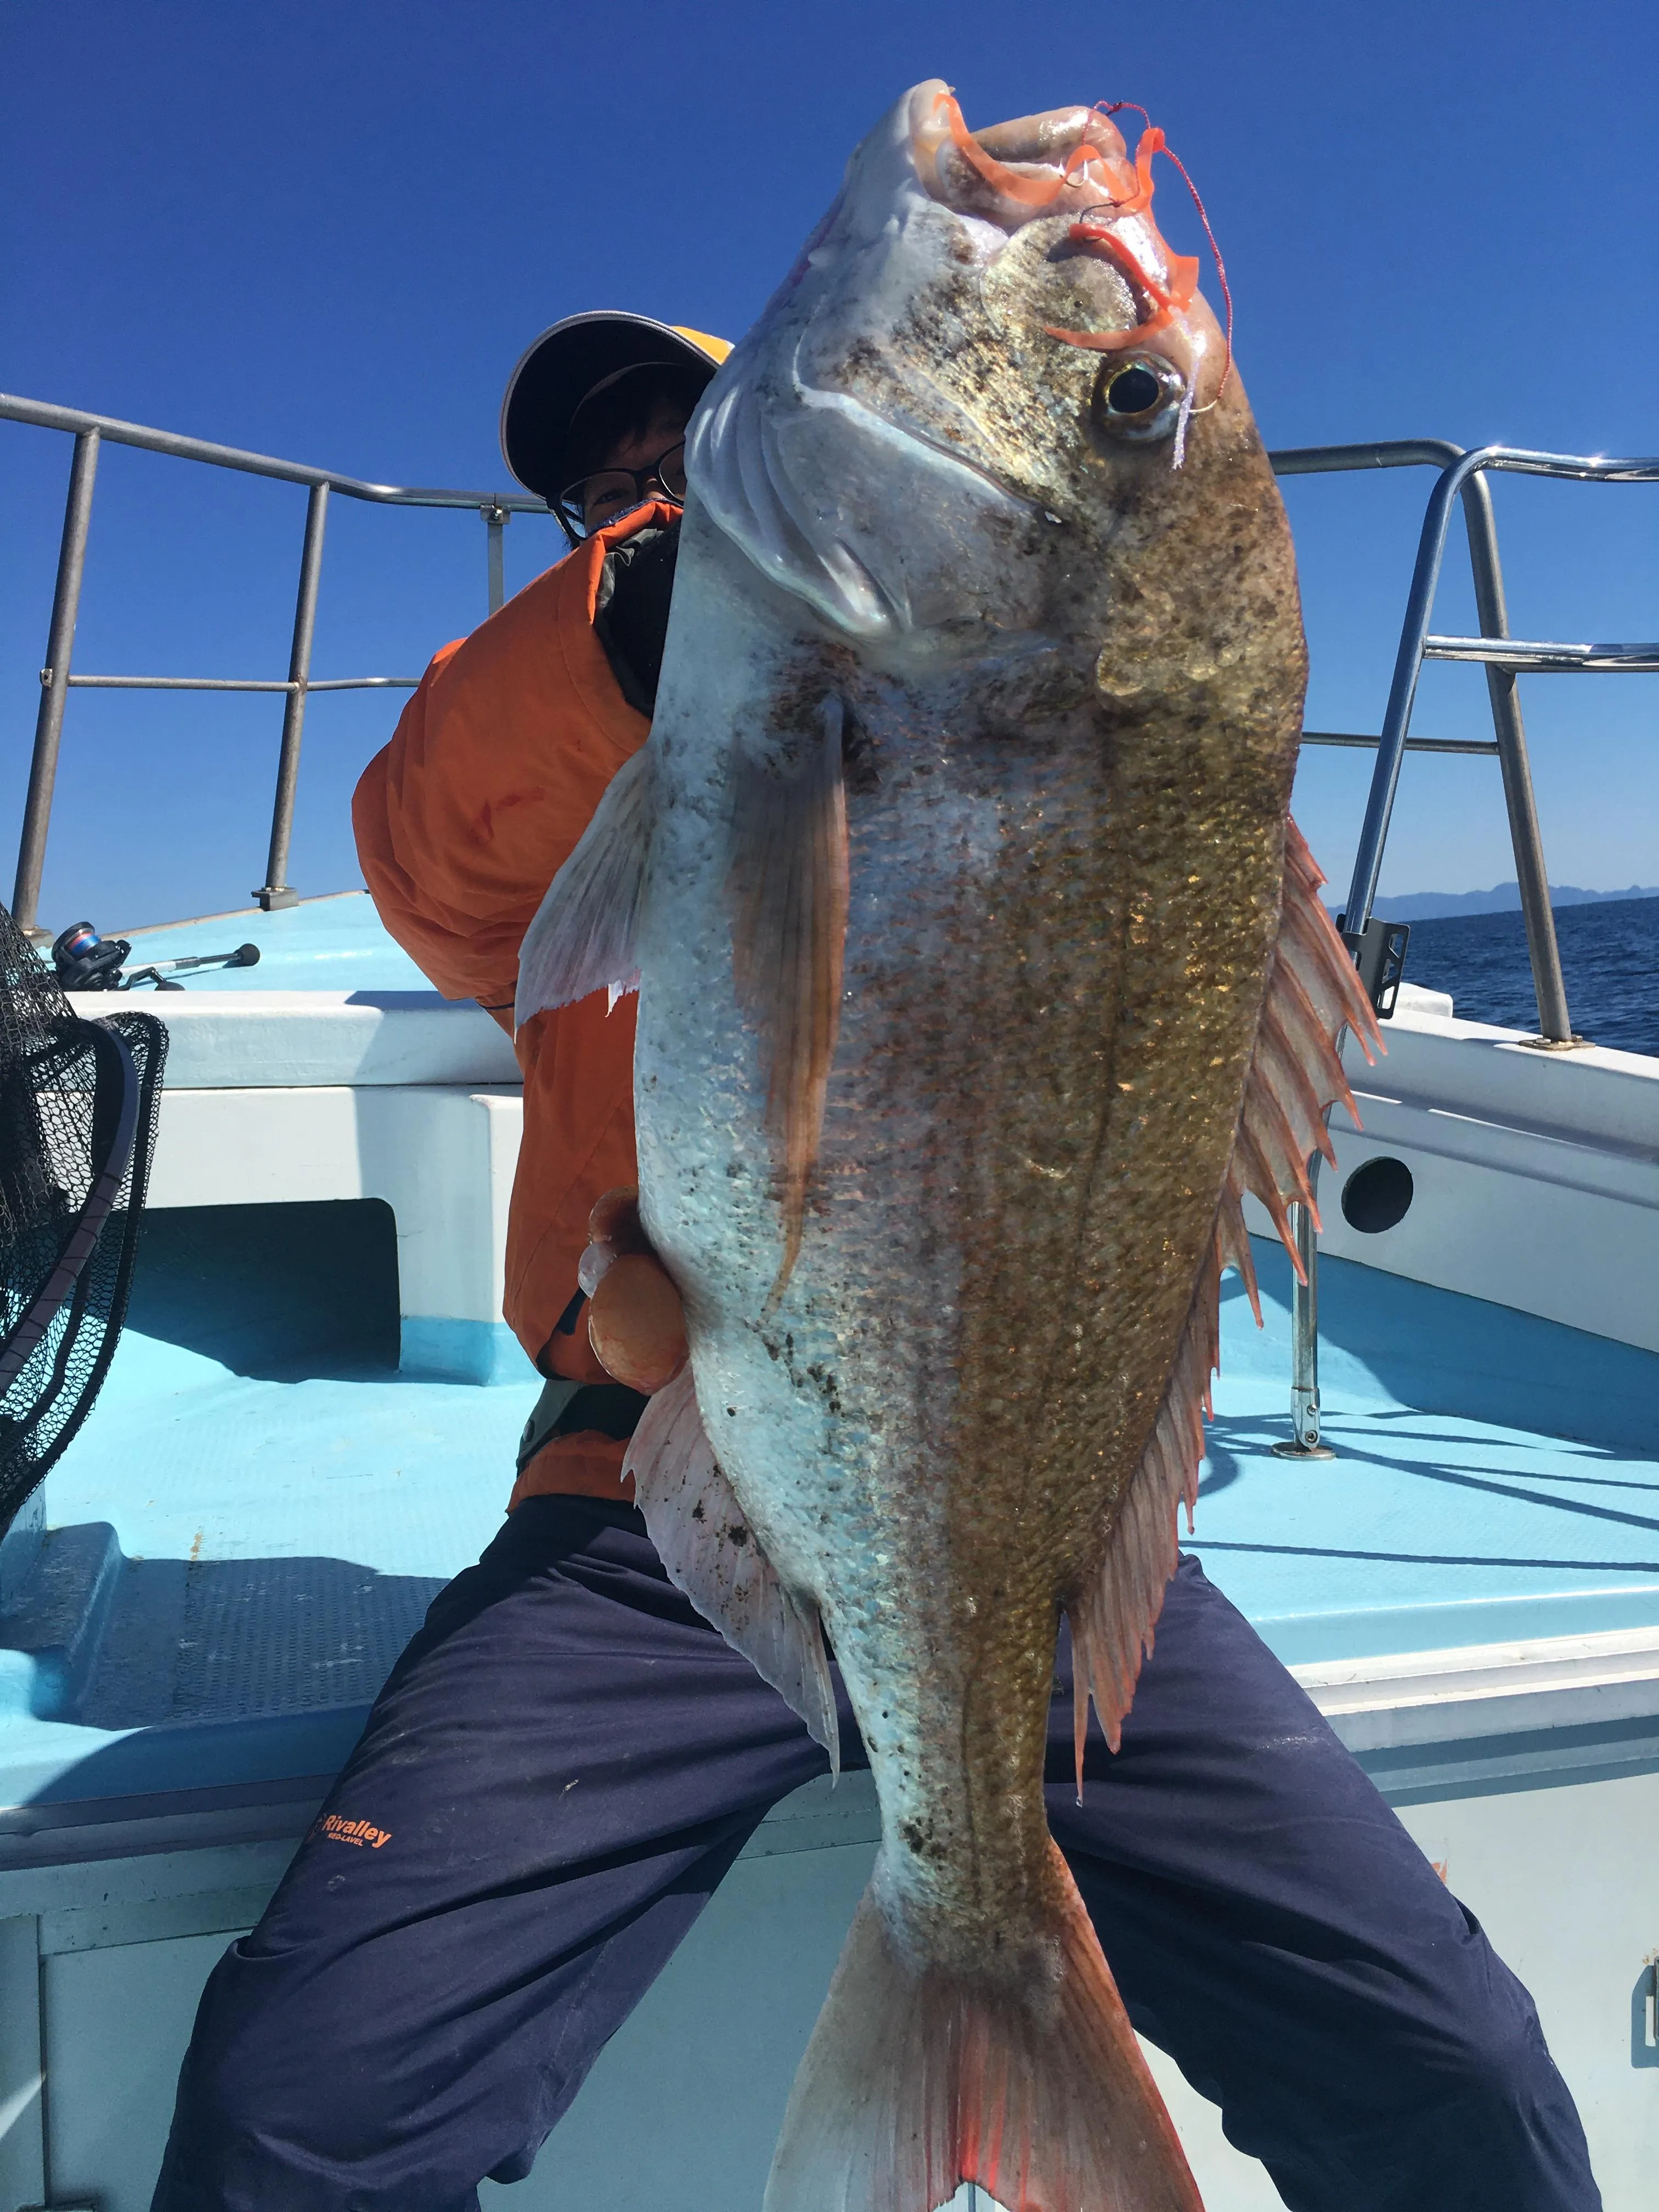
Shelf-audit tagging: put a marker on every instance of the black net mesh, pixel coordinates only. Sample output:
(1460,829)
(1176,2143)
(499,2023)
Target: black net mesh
(77,1127)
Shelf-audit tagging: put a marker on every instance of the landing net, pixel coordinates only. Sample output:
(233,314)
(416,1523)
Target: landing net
(78,1129)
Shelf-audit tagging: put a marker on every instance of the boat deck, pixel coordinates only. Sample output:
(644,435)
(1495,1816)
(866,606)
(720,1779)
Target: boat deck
(279,1477)
(337,943)
(254,1521)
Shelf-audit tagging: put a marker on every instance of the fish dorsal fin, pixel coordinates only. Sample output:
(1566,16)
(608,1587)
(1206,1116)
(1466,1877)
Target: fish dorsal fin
(789,894)
(1296,1071)
(582,937)
(714,1559)
(1314,993)
(1115,1613)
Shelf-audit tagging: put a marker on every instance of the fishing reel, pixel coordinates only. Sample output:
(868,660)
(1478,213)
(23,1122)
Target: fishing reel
(86,962)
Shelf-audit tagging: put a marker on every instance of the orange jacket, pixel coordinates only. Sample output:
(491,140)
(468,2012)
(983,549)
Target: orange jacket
(493,773)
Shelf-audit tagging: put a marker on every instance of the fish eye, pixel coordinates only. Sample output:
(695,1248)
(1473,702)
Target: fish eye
(1133,392)
(1138,397)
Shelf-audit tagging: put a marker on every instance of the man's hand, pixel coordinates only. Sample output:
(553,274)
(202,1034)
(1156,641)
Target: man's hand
(636,1322)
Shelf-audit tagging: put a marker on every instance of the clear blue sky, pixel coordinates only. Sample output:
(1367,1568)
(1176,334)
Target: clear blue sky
(327,231)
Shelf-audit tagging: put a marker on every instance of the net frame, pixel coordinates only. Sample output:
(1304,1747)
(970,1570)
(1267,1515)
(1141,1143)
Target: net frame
(78,1103)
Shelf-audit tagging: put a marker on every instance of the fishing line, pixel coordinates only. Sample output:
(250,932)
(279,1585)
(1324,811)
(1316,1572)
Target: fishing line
(1113,107)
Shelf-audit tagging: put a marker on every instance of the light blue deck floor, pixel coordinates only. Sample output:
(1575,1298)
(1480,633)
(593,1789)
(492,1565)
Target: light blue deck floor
(334,944)
(281,1539)
(280,1532)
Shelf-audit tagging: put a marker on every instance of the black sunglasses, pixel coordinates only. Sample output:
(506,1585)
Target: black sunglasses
(599,497)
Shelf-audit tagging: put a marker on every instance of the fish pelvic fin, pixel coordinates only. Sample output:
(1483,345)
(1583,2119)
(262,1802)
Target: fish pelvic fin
(789,899)
(1314,993)
(714,1559)
(917,2079)
(583,935)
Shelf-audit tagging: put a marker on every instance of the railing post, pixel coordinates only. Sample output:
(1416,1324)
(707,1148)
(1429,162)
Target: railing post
(1303,1442)
(54,686)
(1402,691)
(1530,874)
(275,890)
(497,518)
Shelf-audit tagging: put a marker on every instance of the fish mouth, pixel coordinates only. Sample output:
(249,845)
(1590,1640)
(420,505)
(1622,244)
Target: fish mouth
(1068,162)
(1073,163)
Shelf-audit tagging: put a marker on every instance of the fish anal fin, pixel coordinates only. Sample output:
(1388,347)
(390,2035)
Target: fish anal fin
(917,2079)
(582,937)
(789,897)
(714,1559)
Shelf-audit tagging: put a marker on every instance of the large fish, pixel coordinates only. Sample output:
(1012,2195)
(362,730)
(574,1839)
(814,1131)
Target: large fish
(981,974)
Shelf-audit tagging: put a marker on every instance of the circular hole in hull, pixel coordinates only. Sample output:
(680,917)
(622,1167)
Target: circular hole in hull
(1378,1195)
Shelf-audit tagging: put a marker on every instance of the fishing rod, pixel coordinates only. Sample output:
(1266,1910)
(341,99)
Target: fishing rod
(86,962)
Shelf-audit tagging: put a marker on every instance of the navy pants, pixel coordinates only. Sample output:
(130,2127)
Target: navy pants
(565,1762)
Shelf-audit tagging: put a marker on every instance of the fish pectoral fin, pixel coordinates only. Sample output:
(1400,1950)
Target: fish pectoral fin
(919,2078)
(789,897)
(583,937)
(714,1557)
(1314,992)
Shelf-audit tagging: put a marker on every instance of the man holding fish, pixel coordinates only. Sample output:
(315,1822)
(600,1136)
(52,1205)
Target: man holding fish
(981,974)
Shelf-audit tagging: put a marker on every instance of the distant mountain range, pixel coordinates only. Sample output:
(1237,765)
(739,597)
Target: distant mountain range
(1502,898)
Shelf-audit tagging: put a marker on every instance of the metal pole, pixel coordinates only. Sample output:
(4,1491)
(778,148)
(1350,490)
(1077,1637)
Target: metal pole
(274,891)
(1454,483)
(114,432)
(1396,721)
(497,518)
(1545,955)
(1303,1443)
(54,685)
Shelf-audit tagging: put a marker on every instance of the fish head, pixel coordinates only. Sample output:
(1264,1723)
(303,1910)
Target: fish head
(984,391)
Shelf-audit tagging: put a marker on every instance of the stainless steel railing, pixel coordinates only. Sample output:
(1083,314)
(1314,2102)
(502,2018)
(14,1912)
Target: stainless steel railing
(1462,479)
(58,678)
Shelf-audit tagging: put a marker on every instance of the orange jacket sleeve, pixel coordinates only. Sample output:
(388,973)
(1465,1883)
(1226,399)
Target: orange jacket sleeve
(493,773)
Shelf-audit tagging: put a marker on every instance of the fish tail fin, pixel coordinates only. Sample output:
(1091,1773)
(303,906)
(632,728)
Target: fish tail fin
(917,2079)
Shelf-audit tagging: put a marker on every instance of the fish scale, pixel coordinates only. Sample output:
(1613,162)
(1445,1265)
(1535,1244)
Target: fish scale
(981,972)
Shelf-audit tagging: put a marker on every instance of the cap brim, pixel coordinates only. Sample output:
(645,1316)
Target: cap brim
(556,373)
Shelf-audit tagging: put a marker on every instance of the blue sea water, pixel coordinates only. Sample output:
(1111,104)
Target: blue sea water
(1609,958)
